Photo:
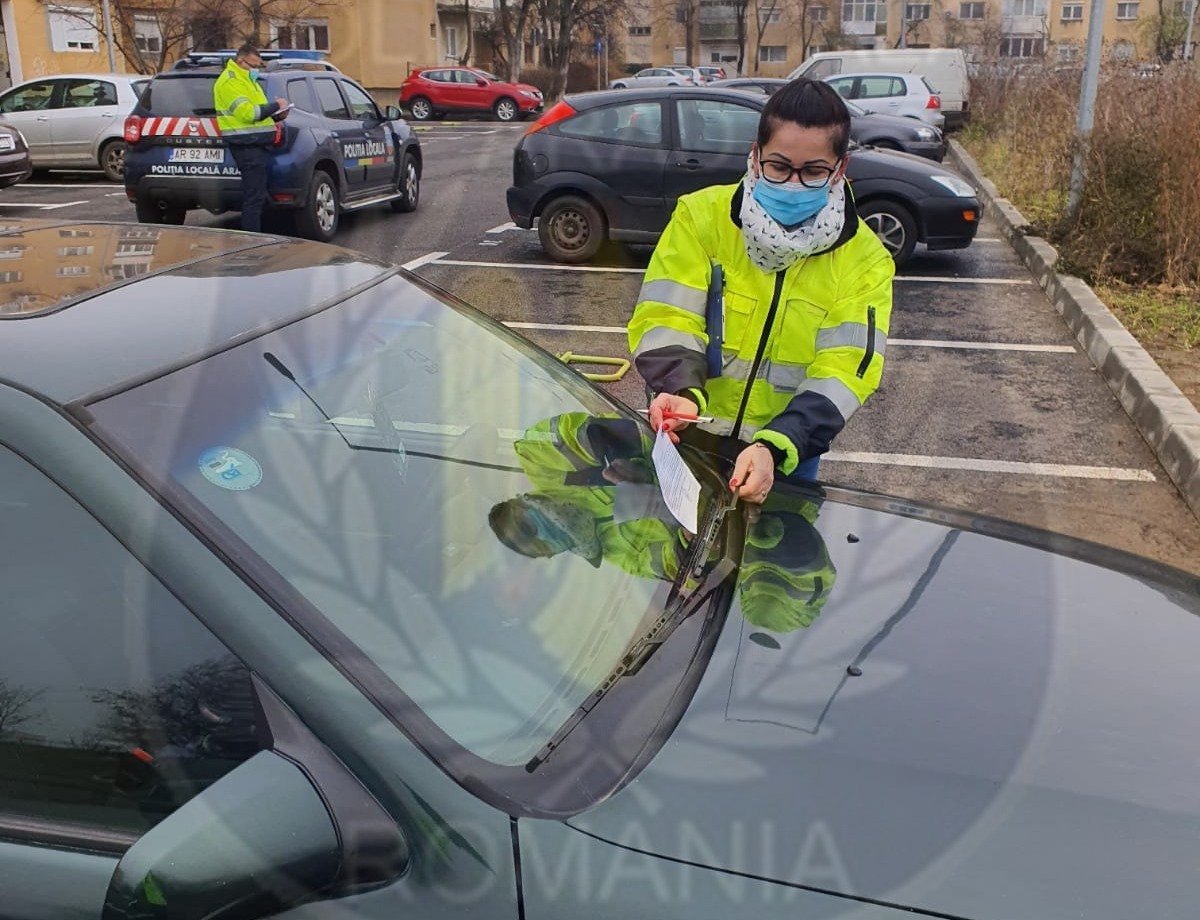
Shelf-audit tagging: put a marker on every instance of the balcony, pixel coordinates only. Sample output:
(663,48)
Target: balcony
(718,31)
(1024,25)
(860,26)
(456,6)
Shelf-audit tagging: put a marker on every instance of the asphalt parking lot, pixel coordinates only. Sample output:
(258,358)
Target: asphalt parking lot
(987,403)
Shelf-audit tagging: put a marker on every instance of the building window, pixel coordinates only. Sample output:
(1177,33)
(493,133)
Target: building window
(639,30)
(1072,12)
(818,13)
(451,42)
(311,35)
(147,36)
(1026,8)
(73,28)
(772,54)
(864,11)
(971,11)
(767,16)
(1068,53)
(72,271)
(1022,47)
(75,233)
(64,251)
(12,252)
(10,277)
(1127,10)
(209,33)
(917,11)
(1122,50)
(135,249)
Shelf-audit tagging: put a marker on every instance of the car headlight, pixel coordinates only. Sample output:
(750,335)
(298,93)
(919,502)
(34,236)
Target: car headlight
(957,186)
(926,134)
(530,93)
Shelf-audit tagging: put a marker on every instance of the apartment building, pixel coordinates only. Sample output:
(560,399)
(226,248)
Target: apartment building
(780,34)
(376,41)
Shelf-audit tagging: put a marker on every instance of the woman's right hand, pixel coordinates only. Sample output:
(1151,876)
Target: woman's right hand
(667,403)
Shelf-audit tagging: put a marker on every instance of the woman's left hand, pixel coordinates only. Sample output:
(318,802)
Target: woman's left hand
(753,474)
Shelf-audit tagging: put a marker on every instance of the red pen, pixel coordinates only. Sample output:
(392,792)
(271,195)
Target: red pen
(682,416)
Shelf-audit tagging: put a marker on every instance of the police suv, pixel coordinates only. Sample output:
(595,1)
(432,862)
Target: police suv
(335,152)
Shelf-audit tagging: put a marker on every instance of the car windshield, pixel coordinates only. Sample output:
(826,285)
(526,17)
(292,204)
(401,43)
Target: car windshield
(182,95)
(473,518)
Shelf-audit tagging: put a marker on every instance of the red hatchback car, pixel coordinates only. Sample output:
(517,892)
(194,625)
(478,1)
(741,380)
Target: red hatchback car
(432,92)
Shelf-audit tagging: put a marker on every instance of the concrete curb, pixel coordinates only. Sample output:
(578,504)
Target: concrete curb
(1164,416)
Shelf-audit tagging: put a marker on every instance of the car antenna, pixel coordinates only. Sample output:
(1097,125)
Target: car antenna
(282,368)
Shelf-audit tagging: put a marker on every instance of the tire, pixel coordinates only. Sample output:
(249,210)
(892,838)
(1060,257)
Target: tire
(620,86)
(571,229)
(318,219)
(506,109)
(895,226)
(410,185)
(112,160)
(149,212)
(420,108)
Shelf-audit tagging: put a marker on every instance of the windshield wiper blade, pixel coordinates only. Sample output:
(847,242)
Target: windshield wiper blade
(639,653)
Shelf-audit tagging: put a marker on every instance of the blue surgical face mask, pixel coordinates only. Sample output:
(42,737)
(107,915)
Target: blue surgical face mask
(253,73)
(790,203)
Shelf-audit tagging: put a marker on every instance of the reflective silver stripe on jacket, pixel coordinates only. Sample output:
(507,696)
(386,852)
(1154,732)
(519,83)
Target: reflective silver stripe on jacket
(836,392)
(853,335)
(783,377)
(674,294)
(665,337)
(724,426)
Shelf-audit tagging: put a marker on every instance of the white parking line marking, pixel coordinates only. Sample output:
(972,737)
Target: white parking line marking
(503,227)
(115,195)
(78,185)
(940,279)
(423,260)
(1063,470)
(983,346)
(537,266)
(989,239)
(40,207)
(901,343)
(534,266)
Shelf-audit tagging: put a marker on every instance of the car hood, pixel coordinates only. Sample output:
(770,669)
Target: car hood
(970,727)
(867,162)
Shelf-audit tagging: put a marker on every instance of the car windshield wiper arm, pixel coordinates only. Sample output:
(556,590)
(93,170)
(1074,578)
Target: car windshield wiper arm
(283,369)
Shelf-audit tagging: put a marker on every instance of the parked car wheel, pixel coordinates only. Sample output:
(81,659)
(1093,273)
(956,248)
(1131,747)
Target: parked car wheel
(620,86)
(151,212)
(894,226)
(112,160)
(318,219)
(421,109)
(571,229)
(410,185)
(505,110)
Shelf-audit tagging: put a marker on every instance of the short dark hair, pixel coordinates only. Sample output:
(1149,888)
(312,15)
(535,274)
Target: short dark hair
(810,104)
(246,49)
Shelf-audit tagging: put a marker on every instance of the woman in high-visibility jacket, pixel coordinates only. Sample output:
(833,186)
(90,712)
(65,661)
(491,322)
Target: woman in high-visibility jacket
(799,306)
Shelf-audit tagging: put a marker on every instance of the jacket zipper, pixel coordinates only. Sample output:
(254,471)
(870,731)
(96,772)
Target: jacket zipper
(762,347)
(870,353)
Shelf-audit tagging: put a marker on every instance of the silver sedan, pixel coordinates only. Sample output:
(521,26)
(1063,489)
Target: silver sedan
(654,76)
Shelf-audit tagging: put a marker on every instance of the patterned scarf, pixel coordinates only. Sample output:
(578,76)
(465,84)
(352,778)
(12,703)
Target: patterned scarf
(773,247)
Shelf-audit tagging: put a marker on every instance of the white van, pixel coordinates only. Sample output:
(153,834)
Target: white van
(944,68)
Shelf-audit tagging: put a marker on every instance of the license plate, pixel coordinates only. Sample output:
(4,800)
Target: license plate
(8,142)
(197,155)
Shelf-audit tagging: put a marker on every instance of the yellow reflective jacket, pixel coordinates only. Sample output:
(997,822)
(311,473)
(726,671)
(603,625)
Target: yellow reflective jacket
(808,342)
(243,113)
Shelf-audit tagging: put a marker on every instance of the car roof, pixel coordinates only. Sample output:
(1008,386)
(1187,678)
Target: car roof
(873,73)
(590,100)
(151,298)
(112,77)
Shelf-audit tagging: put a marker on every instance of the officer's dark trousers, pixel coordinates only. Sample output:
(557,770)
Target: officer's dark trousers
(252,163)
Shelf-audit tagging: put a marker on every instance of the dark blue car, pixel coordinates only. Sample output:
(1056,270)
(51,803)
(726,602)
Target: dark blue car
(335,152)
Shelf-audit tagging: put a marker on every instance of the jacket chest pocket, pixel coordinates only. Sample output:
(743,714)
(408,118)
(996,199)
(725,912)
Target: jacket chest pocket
(796,332)
(739,317)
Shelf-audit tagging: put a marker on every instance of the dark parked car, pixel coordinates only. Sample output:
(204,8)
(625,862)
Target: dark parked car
(610,166)
(887,132)
(337,151)
(15,164)
(326,596)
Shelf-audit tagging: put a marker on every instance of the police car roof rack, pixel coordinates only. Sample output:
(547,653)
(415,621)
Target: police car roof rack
(272,60)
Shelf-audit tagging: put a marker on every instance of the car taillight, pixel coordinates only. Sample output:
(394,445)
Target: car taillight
(277,140)
(933,103)
(133,129)
(556,113)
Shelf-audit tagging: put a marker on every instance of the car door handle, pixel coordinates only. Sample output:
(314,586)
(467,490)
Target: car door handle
(692,163)
(43,118)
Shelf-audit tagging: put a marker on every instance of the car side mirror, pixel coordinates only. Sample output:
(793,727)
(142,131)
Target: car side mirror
(392,113)
(285,826)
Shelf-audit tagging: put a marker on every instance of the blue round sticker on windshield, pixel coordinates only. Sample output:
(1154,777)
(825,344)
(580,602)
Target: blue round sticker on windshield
(230,468)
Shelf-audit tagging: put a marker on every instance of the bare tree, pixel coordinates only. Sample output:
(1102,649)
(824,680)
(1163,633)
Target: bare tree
(512,18)
(16,706)
(1166,30)
(764,12)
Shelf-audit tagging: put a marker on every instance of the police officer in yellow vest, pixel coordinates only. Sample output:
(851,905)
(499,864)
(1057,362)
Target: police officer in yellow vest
(247,123)
(801,312)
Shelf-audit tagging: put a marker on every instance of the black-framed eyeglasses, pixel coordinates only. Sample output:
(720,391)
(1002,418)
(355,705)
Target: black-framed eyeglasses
(811,175)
